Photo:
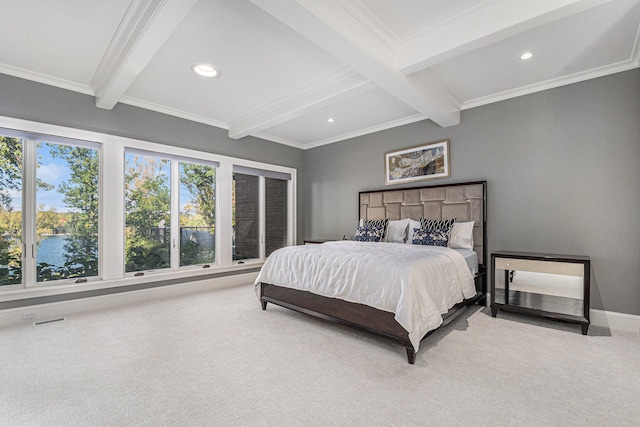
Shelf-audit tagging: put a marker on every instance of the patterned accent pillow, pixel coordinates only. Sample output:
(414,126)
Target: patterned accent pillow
(382,224)
(368,234)
(431,236)
(436,223)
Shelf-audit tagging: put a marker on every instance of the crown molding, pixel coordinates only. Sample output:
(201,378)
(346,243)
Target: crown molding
(553,83)
(283,141)
(635,52)
(45,79)
(172,112)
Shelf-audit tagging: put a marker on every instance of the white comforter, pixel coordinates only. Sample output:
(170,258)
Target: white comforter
(417,283)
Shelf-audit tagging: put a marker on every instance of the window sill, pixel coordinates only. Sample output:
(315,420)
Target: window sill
(44,290)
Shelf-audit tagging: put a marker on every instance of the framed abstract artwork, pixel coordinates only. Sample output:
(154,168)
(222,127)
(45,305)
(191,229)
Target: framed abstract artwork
(428,161)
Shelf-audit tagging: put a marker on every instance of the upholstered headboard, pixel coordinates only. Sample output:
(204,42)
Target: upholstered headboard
(464,202)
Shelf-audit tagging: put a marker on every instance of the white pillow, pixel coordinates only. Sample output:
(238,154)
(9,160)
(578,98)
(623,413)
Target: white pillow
(461,235)
(397,231)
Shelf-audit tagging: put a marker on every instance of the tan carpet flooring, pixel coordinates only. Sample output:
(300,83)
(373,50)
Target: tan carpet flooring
(216,359)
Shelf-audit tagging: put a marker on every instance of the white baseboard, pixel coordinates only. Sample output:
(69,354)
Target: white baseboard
(51,311)
(56,310)
(615,321)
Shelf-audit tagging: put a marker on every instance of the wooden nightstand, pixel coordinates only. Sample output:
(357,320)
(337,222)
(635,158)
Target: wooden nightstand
(548,294)
(316,241)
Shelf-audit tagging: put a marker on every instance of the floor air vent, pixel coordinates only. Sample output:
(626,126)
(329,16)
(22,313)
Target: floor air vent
(44,322)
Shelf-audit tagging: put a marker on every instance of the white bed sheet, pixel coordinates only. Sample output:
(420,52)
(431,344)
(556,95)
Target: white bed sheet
(417,283)
(471,257)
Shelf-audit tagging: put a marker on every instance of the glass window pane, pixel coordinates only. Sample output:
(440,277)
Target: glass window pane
(245,216)
(275,214)
(66,212)
(147,213)
(197,214)
(10,211)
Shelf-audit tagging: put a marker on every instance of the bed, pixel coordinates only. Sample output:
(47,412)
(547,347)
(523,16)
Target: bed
(400,292)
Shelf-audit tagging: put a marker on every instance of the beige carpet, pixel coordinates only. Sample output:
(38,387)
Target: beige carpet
(216,359)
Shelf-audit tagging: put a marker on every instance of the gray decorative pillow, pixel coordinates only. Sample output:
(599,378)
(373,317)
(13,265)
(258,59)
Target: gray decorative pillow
(431,236)
(436,223)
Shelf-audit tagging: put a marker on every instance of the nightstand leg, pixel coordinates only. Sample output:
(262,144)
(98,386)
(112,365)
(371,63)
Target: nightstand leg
(506,286)
(585,328)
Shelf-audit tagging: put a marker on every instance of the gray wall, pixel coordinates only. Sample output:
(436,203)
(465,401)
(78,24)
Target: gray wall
(33,101)
(561,165)
(562,168)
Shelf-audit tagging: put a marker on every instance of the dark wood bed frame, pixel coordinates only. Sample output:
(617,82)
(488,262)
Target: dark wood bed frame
(463,201)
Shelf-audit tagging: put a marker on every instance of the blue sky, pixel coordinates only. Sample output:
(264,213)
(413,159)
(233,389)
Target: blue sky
(54,171)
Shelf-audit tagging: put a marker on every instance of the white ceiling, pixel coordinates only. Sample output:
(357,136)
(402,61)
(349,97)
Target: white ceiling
(287,66)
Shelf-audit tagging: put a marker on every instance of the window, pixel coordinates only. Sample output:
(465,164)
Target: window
(79,206)
(260,212)
(276,214)
(170,211)
(10,211)
(197,214)
(49,205)
(66,211)
(147,212)
(245,213)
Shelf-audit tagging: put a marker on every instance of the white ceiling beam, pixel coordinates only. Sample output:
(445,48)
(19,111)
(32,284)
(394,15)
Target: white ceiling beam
(339,86)
(488,23)
(145,27)
(335,28)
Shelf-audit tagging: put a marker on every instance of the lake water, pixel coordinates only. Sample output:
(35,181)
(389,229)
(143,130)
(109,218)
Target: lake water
(51,250)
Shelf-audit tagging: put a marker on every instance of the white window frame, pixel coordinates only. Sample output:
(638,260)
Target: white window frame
(262,174)
(112,245)
(174,182)
(30,141)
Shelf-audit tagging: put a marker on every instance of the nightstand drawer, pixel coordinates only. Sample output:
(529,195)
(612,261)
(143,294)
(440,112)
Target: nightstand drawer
(550,267)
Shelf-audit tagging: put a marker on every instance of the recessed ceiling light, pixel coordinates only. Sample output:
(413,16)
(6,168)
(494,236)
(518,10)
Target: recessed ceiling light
(526,55)
(206,70)
(330,120)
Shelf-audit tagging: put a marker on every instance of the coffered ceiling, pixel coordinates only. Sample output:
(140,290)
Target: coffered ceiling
(288,66)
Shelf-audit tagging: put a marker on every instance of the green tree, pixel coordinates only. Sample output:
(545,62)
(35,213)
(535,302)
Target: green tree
(200,180)
(10,169)
(46,221)
(81,197)
(147,207)
(10,222)
(10,249)
(200,183)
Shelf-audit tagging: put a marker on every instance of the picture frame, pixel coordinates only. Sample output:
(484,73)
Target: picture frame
(427,161)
